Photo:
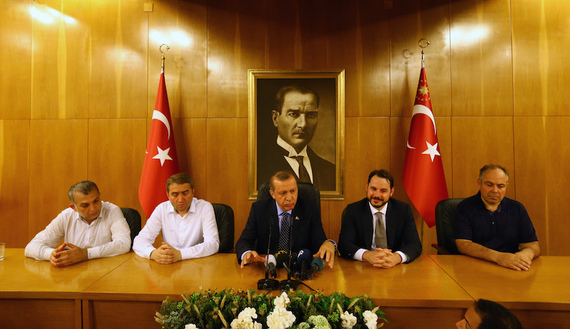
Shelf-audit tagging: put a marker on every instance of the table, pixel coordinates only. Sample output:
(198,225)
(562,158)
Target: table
(34,293)
(126,291)
(539,297)
(138,286)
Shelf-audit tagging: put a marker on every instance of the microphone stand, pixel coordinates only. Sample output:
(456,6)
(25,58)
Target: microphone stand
(267,283)
(289,284)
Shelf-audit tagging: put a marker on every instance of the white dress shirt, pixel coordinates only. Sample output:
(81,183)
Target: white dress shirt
(195,234)
(108,235)
(358,254)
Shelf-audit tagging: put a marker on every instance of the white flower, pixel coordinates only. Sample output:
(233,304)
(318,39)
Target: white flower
(348,320)
(190,326)
(282,301)
(245,320)
(371,319)
(280,318)
(319,321)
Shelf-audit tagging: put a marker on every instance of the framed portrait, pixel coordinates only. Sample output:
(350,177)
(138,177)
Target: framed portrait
(296,123)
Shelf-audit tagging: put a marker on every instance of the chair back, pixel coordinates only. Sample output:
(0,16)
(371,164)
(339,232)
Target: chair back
(225,221)
(307,191)
(444,212)
(134,220)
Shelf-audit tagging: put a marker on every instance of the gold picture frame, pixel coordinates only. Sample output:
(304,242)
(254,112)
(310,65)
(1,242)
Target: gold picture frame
(325,145)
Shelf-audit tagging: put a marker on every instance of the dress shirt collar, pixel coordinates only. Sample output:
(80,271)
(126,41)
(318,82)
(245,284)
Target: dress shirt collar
(191,210)
(291,149)
(280,211)
(384,210)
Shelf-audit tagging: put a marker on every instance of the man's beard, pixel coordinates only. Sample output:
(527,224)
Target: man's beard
(377,207)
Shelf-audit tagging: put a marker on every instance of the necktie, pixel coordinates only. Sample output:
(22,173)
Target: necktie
(284,233)
(303,173)
(380,233)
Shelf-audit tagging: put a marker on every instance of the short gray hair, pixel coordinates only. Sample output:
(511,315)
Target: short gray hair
(85,187)
(490,167)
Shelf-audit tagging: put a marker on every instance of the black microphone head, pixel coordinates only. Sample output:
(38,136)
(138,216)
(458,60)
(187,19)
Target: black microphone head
(303,257)
(282,257)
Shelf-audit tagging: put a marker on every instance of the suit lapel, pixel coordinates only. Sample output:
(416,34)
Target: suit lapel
(367,223)
(390,225)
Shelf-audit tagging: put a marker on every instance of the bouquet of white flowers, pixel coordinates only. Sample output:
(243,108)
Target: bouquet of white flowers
(209,309)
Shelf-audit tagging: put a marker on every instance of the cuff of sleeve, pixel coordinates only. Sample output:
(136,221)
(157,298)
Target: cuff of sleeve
(405,257)
(93,253)
(358,254)
(47,253)
(185,254)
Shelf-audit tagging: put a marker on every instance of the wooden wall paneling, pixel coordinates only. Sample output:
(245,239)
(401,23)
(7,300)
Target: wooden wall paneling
(542,176)
(192,150)
(15,59)
(236,43)
(531,168)
(409,23)
(540,66)
(119,59)
(360,45)
(182,26)
(481,58)
(60,62)
(115,169)
(313,34)
(476,142)
(59,155)
(14,182)
(282,35)
(226,167)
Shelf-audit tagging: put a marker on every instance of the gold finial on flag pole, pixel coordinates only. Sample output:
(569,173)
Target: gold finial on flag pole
(163,52)
(423,43)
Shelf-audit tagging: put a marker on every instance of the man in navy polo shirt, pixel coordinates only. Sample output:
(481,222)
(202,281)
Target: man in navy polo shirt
(492,227)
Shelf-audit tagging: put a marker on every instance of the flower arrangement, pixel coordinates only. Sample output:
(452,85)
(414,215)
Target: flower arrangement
(210,309)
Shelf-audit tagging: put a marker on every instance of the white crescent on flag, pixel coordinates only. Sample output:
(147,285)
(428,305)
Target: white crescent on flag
(162,118)
(420,109)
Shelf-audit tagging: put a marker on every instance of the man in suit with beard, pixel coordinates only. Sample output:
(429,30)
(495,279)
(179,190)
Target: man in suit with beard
(379,229)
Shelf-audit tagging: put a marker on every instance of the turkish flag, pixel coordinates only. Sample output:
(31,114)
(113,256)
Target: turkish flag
(423,175)
(161,160)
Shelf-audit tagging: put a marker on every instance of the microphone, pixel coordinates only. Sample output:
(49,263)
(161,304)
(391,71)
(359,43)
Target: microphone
(282,258)
(316,265)
(270,263)
(302,262)
(270,267)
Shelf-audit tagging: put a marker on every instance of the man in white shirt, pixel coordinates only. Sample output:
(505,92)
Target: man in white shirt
(188,225)
(90,228)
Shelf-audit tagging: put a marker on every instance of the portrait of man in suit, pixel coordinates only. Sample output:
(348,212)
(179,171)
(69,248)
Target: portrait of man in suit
(297,130)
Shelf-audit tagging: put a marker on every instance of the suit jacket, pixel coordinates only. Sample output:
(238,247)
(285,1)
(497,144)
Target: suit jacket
(271,160)
(357,230)
(307,229)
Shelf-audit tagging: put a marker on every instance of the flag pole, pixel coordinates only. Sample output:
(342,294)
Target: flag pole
(163,53)
(423,43)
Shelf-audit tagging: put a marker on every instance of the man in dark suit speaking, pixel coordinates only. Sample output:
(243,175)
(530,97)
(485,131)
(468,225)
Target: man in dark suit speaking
(379,229)
(296,117)
(290,219)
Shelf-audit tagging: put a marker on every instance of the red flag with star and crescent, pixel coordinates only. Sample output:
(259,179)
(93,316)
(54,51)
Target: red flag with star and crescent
(161,160)
(423,175)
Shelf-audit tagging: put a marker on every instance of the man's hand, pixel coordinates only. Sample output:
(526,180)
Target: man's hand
(383,258)
(519,261)
(67,254)
(251,256)
(326,252)
(166,254)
